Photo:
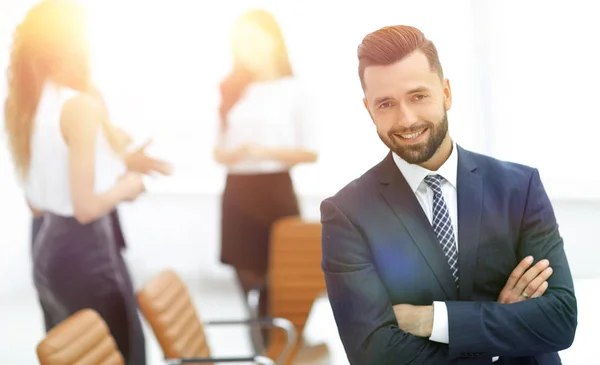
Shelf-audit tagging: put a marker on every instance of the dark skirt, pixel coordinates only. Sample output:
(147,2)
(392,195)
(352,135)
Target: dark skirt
(250,206)
(79,266)
(114,217)
(36,224)
(118,232)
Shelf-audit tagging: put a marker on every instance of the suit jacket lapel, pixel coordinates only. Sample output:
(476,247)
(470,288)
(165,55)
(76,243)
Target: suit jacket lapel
(469,196)
(405,205)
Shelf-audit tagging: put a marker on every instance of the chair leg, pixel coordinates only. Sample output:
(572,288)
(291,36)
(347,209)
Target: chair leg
(253,302)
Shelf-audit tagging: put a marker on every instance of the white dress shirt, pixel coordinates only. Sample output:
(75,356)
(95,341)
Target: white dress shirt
(415,175)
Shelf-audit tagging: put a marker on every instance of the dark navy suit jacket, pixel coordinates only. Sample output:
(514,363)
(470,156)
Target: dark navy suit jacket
(379,249)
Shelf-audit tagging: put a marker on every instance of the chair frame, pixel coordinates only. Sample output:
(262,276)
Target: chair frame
(282,323)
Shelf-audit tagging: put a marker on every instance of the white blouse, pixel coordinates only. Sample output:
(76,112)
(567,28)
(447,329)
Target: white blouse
(47,187)
(269,114)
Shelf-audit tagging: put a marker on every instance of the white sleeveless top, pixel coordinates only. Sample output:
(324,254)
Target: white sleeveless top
(47,187)
(271,114)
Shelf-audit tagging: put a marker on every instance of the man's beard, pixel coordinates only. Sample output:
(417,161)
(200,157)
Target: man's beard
(421,152)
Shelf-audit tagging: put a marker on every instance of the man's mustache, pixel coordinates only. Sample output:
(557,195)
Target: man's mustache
(413,128)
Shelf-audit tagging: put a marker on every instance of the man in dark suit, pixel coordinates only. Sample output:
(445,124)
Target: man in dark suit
(418,252)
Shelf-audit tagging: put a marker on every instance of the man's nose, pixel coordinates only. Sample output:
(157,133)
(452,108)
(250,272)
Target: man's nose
(405,116)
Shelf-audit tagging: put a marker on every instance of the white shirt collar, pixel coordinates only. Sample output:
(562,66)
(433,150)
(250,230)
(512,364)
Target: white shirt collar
(414,174)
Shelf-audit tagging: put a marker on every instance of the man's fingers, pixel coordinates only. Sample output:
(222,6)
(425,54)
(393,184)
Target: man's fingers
(504,296)
(537,282)
(540,290)
(518,272)
(530,275)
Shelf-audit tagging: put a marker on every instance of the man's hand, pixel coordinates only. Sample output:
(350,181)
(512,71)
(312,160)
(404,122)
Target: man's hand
(522,285)
(524,282)
(415,319)
(138,161)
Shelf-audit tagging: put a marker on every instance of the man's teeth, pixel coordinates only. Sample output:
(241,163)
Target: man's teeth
(413,135)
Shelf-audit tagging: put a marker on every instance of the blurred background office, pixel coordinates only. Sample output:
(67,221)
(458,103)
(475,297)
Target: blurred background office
(525,82)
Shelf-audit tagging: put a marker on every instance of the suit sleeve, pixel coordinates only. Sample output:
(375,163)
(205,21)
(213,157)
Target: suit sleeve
(361,306)
(534,326)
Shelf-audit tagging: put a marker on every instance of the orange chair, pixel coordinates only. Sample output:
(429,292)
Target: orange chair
(295,278)
(83,338)
(168,308)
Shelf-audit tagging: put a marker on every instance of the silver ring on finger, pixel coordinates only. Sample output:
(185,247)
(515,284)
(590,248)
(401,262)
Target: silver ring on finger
(525,295)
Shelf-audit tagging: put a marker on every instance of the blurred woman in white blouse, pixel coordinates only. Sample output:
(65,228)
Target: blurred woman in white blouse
(264,133)
(72,165)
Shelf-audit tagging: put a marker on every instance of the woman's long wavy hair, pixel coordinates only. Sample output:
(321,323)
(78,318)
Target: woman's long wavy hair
(234,84)
(50,43)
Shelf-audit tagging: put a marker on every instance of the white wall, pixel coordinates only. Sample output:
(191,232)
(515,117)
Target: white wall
(542,84)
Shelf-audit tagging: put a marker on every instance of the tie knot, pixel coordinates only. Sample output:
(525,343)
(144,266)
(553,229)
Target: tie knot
(434,182)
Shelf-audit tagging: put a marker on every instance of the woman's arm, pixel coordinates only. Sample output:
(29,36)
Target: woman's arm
(81,118)
(228,157)
(123,138)
(289,156)
(135,158)
(121,141)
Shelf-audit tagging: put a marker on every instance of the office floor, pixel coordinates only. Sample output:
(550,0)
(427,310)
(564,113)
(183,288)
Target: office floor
(21,325)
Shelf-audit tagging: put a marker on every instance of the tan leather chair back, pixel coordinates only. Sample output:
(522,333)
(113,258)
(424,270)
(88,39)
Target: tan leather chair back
(295,276)
(168,308)
(81,339)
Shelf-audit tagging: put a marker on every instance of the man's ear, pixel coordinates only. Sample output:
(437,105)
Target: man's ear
(447,95)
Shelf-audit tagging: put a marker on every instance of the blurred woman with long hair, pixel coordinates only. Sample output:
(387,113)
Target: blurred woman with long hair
(70,160)
(263,134)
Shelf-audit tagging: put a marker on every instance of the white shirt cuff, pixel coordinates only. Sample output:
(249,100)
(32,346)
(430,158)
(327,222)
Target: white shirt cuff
(439,332)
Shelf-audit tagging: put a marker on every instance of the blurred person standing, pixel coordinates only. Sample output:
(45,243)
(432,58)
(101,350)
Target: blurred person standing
(264,132)
(135,159)
(71,162)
